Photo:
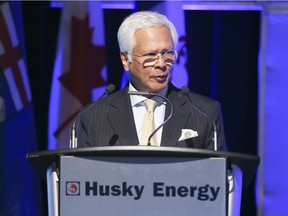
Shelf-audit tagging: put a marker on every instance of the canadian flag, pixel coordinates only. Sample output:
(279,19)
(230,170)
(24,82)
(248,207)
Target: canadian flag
(79,71)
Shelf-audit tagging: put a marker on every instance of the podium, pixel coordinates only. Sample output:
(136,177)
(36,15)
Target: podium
(144,180)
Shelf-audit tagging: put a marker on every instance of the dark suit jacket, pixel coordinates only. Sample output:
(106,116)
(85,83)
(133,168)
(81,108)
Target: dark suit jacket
(110,121)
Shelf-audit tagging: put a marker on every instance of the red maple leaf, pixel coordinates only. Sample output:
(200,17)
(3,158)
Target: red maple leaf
(86,62)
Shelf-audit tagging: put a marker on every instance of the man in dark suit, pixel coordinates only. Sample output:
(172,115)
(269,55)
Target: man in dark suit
(148,42)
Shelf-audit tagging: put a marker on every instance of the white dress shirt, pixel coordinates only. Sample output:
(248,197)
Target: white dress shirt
(139,110)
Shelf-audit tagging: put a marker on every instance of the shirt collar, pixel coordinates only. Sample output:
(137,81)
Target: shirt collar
(138,99)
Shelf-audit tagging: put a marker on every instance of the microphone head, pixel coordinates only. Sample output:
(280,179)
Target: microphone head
(185,90)
(110,88)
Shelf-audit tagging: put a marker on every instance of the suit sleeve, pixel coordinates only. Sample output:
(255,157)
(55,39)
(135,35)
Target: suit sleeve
(83,138)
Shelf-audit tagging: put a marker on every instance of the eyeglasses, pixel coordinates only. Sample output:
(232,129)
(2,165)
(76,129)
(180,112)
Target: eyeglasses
(150,59)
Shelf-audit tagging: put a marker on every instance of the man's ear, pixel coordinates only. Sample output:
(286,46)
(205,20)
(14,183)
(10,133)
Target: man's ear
(125,61)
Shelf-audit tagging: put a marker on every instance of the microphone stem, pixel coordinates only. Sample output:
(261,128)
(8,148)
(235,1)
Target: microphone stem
(73,136)
(215,138)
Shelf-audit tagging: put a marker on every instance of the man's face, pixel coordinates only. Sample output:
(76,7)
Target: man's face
(150,78)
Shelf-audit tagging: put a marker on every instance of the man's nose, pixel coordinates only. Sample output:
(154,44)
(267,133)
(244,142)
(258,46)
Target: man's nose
(160,61)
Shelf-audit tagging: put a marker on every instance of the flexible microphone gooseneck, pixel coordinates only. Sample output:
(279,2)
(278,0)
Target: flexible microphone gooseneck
(73,137)
(186,92)
(149,95)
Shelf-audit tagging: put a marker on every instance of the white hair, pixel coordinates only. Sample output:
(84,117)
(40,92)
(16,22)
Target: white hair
(140,20)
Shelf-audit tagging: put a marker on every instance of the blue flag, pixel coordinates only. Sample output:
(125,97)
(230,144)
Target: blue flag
(20,190)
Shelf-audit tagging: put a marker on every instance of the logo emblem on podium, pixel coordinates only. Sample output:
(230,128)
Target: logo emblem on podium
(72,188)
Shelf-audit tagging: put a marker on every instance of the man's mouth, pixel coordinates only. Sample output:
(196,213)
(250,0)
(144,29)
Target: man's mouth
(161,77)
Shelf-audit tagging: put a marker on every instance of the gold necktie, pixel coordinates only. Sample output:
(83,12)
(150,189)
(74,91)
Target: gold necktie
(148,125)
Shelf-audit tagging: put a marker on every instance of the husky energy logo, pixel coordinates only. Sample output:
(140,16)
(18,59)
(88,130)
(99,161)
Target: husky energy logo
(73,188)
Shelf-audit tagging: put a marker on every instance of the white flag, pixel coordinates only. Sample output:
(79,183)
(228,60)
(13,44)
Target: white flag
(79,75)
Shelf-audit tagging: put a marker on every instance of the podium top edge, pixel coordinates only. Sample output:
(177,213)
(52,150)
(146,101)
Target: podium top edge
(140,150)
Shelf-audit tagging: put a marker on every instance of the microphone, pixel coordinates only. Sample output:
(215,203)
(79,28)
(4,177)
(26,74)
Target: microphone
(150,95)
(73,137)
(186,92)
(109,89)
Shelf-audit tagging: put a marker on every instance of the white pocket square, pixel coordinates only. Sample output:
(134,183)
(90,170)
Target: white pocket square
(187,134)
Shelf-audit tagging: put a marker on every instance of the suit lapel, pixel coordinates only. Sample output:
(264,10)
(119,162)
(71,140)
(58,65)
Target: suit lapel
(121,119)
(172,130)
